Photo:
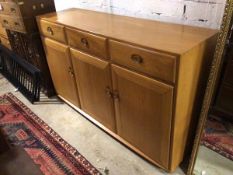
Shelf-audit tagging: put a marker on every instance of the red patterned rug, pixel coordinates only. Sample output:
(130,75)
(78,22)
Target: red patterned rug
(218,136)
(46,148)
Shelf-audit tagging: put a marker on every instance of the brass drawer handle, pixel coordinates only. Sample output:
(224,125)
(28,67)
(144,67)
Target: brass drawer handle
(137,58)
(34,7)
(85,42)
(5,21)
(50,31)
(13,10)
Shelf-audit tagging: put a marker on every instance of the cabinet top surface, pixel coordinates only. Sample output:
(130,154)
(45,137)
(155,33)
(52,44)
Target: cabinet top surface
(167,37)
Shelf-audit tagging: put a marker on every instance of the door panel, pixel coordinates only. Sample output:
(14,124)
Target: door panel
(58,58)
(94,85)
(143,113)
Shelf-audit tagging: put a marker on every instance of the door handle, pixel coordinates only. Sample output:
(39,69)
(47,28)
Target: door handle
(108,92)
(71,72)
(116,95)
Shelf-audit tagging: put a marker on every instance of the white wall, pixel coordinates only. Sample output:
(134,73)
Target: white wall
(205,13)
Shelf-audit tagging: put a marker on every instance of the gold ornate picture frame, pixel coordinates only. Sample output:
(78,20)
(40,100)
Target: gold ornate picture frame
(212,80)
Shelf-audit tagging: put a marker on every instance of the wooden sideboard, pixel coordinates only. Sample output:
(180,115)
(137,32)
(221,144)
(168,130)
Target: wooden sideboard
(138,79)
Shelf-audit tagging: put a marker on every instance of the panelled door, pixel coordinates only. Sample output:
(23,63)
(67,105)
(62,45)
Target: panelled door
(143,112)
(93,77)
(58,58)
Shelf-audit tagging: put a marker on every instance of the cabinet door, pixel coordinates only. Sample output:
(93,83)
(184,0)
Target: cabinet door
(143,113)
(94,85)
(58,58)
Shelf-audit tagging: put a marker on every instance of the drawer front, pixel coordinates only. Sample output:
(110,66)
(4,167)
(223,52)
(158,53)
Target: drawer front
(10,8)
(26,8)
(155,64)
(5,42)
(92,44)
(52,30)
(12,23)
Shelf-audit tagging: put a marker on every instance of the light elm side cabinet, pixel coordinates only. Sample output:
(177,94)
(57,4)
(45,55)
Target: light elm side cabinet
(139,80)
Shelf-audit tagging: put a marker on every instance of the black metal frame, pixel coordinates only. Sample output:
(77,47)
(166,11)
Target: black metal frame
(23,75)
(29,47)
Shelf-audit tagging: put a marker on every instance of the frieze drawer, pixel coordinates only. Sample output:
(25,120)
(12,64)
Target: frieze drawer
(155,64)
(93,44)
